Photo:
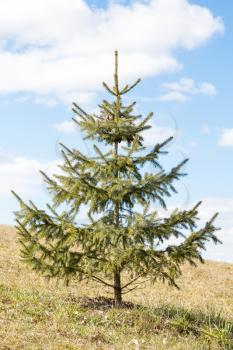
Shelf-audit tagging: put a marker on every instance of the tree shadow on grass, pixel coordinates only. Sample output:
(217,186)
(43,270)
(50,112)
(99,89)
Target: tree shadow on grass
(99,303)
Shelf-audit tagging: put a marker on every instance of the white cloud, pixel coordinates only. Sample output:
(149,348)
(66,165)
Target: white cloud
(64,48)
(206,89)
(173,96)
(157,134)
(210,206)
(22,175)
(68,126)
(224,206)
(226,138)
(193,144)
(205,129)
(182,90)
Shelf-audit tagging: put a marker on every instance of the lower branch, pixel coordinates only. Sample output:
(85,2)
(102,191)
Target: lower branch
(99,280)
(132,281)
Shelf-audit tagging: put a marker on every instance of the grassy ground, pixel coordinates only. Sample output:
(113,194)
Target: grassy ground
(36,314)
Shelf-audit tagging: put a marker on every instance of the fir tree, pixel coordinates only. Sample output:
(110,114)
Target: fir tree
(119,241)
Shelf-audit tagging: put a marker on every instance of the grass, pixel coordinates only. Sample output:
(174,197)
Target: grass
(37,314)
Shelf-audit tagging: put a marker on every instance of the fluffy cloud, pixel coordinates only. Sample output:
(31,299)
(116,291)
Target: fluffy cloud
(173,96)
(68,126)
(210,206)
(226,138)
(22,175)
(157,134)
(224,206)
(63,48)
(205,129)
(182,90)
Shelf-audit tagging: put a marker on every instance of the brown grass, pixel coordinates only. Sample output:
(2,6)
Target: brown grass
(37,314)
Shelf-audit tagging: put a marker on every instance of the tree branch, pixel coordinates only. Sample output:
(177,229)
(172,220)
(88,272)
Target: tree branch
(130,290)
(132,281)
(97,279)
(128,284)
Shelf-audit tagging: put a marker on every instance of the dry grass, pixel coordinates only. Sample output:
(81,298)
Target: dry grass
(36,314)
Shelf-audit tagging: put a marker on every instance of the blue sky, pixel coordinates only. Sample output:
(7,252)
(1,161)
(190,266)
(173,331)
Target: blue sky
(51,55)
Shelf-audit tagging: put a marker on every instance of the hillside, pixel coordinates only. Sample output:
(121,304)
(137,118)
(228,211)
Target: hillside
(37,314)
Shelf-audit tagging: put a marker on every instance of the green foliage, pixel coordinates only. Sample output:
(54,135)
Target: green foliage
(112,185)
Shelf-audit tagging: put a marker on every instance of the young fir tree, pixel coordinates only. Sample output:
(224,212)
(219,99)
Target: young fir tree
(119,240)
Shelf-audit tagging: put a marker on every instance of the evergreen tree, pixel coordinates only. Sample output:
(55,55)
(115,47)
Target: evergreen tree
(119,241)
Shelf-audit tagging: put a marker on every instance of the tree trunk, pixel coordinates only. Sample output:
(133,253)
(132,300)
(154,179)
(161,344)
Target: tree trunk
(117,274)
(117,289)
